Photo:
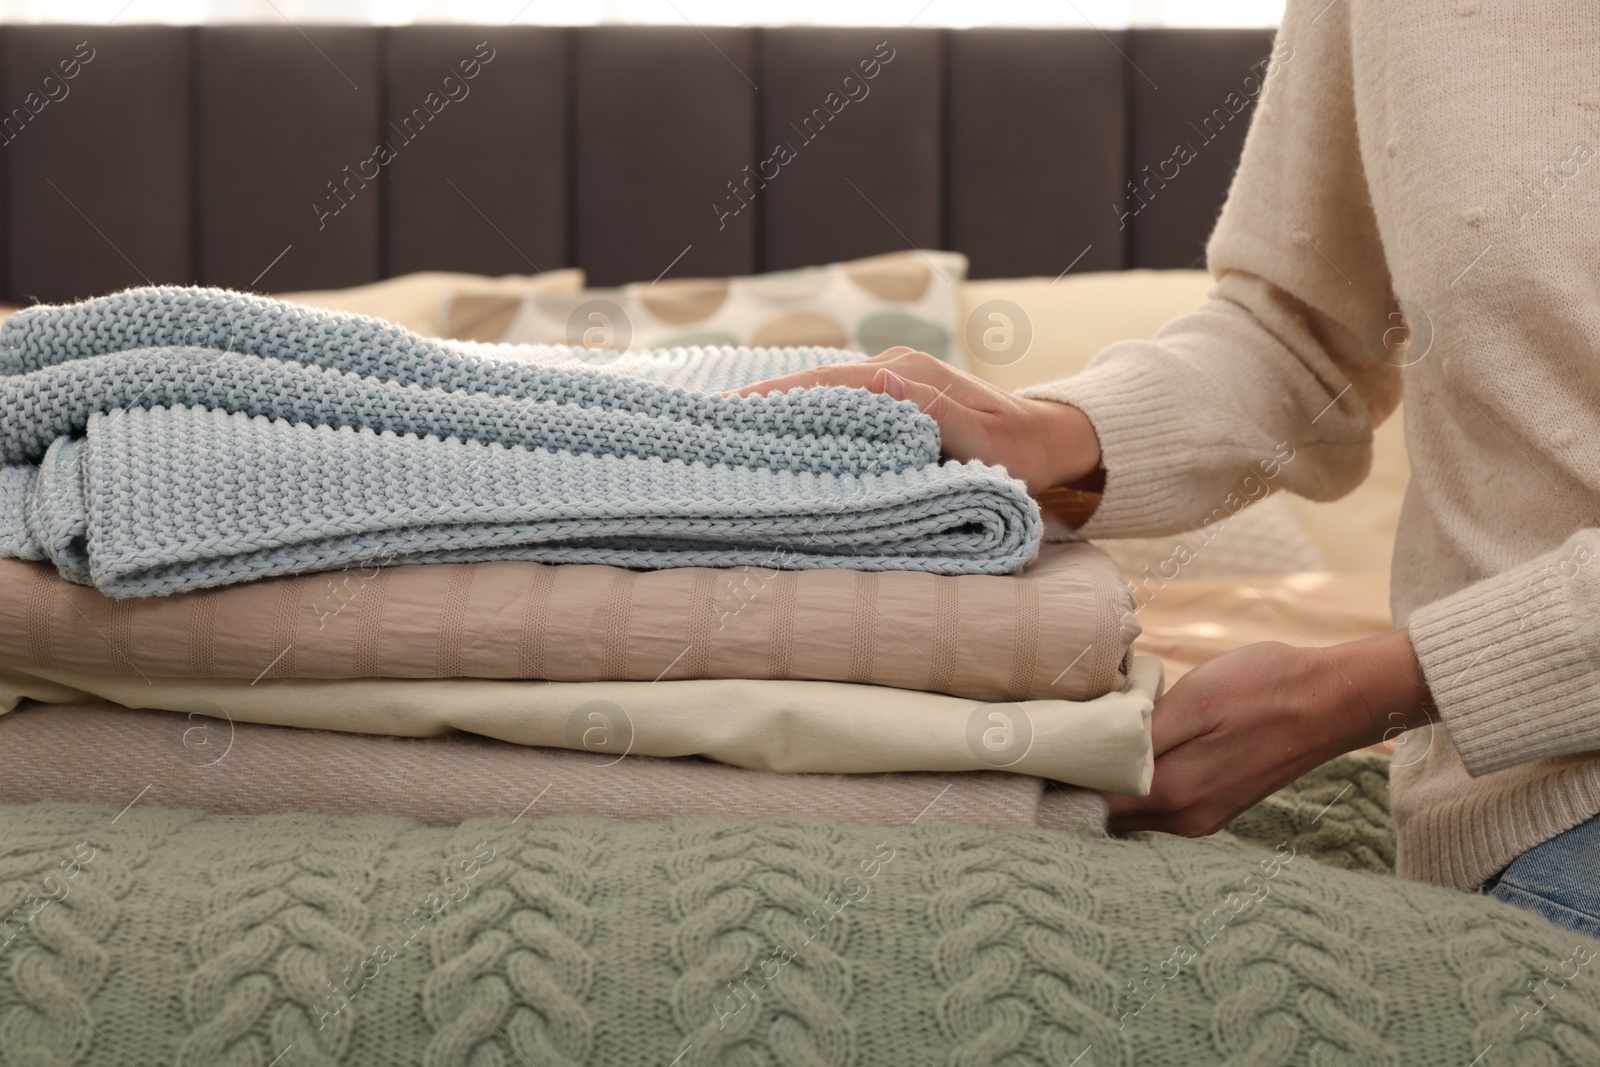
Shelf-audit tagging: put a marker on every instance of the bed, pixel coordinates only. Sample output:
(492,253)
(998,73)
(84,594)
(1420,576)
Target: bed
(195,883)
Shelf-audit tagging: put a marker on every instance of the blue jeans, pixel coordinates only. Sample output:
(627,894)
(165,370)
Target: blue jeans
(1558,879)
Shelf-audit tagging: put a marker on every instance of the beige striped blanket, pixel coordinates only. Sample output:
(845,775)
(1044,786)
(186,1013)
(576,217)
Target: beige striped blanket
(1062,630)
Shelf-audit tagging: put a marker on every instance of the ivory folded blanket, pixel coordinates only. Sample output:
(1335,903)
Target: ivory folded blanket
(792,727)
(165,439)
(1061,629)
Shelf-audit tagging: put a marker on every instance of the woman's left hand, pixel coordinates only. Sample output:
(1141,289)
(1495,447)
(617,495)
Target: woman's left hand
(1040,442)
(1246,724)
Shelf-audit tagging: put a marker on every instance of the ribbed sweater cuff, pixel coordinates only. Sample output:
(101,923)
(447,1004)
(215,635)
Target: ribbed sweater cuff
(1147,442)
(1511,678)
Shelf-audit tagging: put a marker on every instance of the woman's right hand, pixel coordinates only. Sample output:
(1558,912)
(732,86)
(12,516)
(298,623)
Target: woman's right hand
(1040,442)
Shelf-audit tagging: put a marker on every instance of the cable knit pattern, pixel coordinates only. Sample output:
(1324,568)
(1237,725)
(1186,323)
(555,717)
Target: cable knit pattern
(1022,951)
(54,963)
(1299,952)
(587,942)
(1495,962)
(282,921)
(162,468)
(513,965)
(760,947)
(1338,812)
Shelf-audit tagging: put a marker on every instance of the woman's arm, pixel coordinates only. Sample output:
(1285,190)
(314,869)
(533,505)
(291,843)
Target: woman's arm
(1287,356)
(1514,660)
(1293,353)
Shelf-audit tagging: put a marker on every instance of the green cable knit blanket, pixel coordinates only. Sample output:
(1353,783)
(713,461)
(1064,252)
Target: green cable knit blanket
(165,439)
(157,937)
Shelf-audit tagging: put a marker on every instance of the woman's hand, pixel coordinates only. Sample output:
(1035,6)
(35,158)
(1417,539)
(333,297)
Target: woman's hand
(1246,724)
(1040,442)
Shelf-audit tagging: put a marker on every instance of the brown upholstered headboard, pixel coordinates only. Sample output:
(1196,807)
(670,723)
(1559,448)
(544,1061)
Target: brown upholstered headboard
(247,156)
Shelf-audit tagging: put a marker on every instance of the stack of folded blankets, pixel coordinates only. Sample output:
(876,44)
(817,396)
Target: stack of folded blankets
(266,516)
(305,576)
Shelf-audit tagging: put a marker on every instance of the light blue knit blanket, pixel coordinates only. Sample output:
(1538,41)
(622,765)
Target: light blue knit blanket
(165,439)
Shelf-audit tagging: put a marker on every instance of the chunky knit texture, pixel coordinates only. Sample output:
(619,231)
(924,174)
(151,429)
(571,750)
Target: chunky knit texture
(1427,171)
(165,346)
(201,940)
(278,439)
(776,432)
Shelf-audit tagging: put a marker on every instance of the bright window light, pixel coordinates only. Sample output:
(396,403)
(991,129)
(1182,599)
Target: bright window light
(1101,14)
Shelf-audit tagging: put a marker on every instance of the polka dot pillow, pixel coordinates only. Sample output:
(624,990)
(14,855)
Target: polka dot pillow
(904,298)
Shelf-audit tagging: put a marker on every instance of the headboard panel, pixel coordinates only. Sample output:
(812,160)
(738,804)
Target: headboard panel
(1038,145)
(97,181)
(278,117)
(661,120)
(247,155)
(1188,99)
(507,159)
(868,178)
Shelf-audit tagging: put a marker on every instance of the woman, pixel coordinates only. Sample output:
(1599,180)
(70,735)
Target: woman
(1443,154)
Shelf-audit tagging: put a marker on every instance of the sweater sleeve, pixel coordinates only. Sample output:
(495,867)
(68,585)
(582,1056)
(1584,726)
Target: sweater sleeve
(1279,377)
(1529,639)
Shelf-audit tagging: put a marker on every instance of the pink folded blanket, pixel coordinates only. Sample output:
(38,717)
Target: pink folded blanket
(102,754)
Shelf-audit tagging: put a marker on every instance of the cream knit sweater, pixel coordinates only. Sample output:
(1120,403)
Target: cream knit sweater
(1444,154)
